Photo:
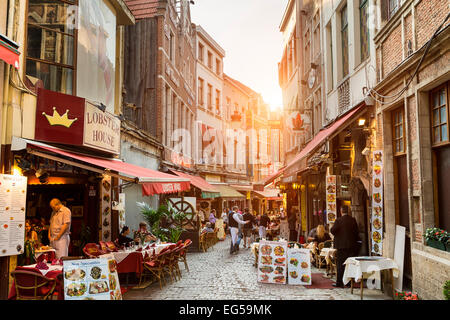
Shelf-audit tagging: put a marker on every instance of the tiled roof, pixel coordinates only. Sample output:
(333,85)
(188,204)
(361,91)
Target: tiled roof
(142,9)
(240,85)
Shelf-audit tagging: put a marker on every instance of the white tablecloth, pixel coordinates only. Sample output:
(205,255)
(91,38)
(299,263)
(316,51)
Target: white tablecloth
(122,254)
(356,268)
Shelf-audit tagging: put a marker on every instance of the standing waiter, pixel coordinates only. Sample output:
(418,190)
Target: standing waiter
(234,222)
(59,230)
(346,237)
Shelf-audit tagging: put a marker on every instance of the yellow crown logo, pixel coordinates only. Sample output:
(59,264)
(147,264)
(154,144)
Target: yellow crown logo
(57,120)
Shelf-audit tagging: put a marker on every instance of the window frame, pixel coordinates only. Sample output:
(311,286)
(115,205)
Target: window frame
(364,5)
(344,40)
(57,64)
(209,96)
(396,124)
(444,86)
(392,9)
(201,87)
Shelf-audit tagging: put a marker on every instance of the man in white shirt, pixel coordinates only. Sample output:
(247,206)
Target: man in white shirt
(59,230)
(234,222)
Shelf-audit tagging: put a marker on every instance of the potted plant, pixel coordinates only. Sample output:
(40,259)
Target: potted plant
(447,290)
(406,295)
(436,238)
(153,218)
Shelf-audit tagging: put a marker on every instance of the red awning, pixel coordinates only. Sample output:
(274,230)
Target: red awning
(198,182)
(259,186)
(321,136)
(153,182)
(9,54)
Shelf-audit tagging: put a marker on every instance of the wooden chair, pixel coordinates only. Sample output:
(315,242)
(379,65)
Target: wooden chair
(154,266)
(103,246)
(209,239)
(183,253)
(111,246)
(202,242)
(320,260)
(91,250)
(32,285)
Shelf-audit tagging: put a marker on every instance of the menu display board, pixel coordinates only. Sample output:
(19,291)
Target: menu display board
(105,208)
(272,262)
(299,266)
(331,198)
(91,279)
(13,196)
(377,203)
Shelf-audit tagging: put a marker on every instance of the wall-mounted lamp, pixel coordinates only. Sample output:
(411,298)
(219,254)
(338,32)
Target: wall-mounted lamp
(361,122)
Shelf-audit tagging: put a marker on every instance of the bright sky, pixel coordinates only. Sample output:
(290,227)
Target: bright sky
(248,31)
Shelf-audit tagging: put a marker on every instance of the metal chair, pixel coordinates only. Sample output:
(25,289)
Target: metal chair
(32,285)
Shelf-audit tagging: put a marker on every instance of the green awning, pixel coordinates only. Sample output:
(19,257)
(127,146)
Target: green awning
(228,192)
(210,195)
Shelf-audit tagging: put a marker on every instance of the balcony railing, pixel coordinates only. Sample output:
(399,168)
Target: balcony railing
(343,96)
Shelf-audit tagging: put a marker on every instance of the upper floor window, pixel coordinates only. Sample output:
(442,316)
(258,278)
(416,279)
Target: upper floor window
(344,36)
(201,52)
(364,28)
(51,46)
(398,134)
(209,97)
(201,89)
(218,67)
(394,5)
(439,114)
(210,60)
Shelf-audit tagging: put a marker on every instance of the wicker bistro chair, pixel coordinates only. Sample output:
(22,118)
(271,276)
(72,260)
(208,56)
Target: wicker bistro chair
(320,260)
(32,285)
(169,265)
(209,239)
(154,266)
(202,242)
(175,259)
(183,253)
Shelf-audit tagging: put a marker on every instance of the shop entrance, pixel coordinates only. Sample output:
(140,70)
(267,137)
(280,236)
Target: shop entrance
(84,226)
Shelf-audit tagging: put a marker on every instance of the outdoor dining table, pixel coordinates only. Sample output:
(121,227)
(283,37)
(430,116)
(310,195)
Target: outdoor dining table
(360,268)
(131,261)
(329,254)
(52,272)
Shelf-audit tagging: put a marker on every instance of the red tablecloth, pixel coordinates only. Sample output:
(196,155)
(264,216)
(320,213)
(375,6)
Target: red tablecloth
(53,274)
(49,255)
(132,263)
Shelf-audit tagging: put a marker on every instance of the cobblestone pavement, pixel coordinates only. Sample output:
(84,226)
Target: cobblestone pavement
(217,275)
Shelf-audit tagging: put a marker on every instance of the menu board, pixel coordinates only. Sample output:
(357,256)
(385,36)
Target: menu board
(299,266)
(331,198)
(105,208)
(13,197)
(272,262)
(91,279)
(377,203)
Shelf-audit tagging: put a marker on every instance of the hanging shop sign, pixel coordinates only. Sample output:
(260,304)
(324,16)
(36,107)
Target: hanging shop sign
(272,262)
(299,266)
(91,279)
(71,120)
(105,208)
(377,203)
(13,195)
(331,198)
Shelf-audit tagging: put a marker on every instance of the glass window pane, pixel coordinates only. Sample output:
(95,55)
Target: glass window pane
(444,115)
(400,149)
(436,99)
(400,131)
(442,97)
(52,14)
(436,137)
(444,133)
(54,78)
(50,46)
(436,117)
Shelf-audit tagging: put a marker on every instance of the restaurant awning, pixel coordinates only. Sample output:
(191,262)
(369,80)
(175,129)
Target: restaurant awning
(269,194)
(228,192)
(152,181)
(208,190)
(259,186)
(9,52)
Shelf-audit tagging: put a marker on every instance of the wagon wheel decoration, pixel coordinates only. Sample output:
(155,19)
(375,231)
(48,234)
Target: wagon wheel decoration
(185,208)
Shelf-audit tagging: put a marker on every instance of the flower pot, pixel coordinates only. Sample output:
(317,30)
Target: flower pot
(436,244)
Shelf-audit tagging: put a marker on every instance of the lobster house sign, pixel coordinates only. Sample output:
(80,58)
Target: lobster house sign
(71,120)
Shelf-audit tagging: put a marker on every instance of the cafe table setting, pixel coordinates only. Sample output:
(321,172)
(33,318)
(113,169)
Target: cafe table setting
(44,253)
(360,268)
(130,260)
(50,270)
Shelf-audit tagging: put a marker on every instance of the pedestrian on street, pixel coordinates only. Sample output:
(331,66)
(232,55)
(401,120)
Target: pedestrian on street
(234,222)
(263,224)
(248,227)
(212,217)
(292,221)
(346,237)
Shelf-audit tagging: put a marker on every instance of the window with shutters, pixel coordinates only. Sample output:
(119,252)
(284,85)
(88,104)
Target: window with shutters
(364,28)
(344,38)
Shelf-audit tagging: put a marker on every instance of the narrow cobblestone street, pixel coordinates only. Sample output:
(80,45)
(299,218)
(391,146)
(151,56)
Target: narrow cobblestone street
(217,275)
